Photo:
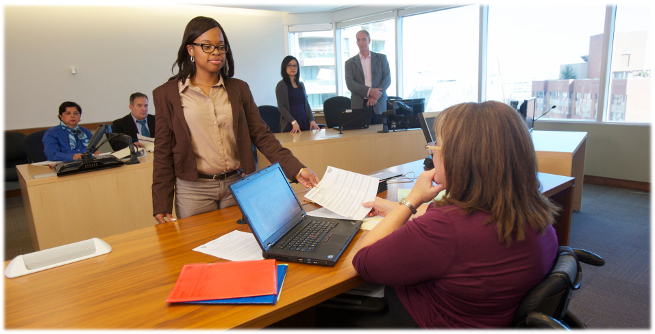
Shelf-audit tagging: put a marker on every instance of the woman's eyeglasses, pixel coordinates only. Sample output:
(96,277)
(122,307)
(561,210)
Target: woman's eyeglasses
(209,48)
(431,147)
(292,66)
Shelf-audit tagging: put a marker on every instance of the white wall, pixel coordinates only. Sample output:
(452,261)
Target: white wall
(118,51)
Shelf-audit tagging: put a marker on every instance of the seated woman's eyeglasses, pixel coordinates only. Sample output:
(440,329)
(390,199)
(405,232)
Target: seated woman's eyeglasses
(292,66)
(209,48)
(431,147)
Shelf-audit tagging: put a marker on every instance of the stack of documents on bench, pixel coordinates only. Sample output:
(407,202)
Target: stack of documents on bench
(240,282)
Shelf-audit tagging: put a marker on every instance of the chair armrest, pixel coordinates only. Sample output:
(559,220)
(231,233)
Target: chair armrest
(588,257)
(540,320)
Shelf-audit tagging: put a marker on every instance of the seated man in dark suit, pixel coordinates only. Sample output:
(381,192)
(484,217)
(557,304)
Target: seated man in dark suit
(137,122)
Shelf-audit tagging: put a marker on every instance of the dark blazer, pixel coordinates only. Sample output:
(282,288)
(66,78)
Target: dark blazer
(380,78)
(127,126)
(174,155)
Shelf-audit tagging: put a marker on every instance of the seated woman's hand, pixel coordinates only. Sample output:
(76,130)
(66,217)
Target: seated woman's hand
(380,207)
(96,153)
(77,156)
(424,190)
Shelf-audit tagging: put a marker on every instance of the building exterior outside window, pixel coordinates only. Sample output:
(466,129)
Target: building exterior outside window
(440,57)
(315,53)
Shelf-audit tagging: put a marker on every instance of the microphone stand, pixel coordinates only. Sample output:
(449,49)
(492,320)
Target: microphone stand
(350,121)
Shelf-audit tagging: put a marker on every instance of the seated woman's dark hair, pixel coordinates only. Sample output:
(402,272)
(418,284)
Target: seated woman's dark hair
(196,27)
(283,70)
(68,104)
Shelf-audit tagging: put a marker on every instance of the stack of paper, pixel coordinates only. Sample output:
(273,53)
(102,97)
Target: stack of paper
(243,282)
(147,142)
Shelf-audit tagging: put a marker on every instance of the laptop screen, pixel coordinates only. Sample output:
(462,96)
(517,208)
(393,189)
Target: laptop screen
(268,202)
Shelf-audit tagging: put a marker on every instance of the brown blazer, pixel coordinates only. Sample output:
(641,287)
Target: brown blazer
(174,155)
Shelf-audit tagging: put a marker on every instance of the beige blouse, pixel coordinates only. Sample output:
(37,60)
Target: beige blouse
(211,127)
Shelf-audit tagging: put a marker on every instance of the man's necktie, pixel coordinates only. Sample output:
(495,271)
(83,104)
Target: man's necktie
(144,129)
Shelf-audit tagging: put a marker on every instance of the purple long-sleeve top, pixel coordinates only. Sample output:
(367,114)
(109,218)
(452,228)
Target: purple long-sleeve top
(451,271)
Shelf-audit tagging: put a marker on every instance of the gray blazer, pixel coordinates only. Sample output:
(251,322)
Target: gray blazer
(380,78)
(282,94)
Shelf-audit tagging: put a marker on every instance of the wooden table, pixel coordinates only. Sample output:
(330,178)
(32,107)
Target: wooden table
(562,153)
(127,288)
(65,209)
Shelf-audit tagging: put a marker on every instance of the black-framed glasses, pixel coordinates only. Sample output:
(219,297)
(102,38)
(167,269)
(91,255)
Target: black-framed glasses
(209,48)
(292,66)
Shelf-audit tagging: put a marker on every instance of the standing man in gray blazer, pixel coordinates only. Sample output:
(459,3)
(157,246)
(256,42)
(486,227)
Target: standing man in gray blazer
(368,77)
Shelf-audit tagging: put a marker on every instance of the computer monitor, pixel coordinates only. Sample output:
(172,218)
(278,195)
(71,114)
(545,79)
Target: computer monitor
(427,124)
(527,110)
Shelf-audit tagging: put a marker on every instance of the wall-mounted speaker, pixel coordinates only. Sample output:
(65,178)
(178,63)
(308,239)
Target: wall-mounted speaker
(55,257)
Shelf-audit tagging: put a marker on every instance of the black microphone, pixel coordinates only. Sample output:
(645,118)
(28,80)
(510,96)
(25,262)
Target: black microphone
(547,111)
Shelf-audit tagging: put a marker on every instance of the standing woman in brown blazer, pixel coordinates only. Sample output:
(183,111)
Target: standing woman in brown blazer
(206,122)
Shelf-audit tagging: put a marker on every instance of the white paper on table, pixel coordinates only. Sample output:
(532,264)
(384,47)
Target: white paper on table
(370,222)
(45,163)
(234,246)
(325,213)
(343,192)
(147,142)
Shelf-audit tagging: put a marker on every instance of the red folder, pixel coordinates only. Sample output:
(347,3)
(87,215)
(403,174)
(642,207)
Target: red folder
(206,281)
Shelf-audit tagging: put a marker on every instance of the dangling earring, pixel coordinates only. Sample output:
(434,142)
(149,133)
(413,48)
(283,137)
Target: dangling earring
(193,59)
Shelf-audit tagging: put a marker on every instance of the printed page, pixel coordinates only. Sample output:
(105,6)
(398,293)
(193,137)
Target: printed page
(234,246)
(343,192)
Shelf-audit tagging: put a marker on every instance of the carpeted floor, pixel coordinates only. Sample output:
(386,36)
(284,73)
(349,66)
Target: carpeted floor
(613,222)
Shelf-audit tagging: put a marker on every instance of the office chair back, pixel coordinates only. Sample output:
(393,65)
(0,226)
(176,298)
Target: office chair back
(332,108)
(546,305)
(14,154)
(33,146)
(271,115)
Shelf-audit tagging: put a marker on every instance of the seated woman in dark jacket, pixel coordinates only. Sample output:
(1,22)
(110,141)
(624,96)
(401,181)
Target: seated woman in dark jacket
(68,140)
(292,99)
(467,259)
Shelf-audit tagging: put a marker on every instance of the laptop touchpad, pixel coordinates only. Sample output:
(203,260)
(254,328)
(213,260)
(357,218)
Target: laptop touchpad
(339,239)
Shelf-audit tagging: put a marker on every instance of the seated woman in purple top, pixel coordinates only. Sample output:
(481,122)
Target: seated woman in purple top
(466,260)
(68,140)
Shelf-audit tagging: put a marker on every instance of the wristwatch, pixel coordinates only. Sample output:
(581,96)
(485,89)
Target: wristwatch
(409,205)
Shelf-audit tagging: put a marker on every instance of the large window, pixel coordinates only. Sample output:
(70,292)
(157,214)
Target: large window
(440,57)
(315,53)
(382,41)
(630,85)
(549,52)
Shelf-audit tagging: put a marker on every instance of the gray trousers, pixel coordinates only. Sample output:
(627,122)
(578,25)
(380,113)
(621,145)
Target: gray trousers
(205,195)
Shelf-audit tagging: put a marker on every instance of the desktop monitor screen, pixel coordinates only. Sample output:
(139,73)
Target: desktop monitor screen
(527,110)
(427,124)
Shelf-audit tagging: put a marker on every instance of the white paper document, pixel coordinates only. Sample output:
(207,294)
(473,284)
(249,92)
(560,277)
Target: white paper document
(45,163)
(147,142)
(325,213)
(234,246)
(343,192)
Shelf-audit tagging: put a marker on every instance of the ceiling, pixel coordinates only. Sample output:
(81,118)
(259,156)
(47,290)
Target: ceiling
(305,7)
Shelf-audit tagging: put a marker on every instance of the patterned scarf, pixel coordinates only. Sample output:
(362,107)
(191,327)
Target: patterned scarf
(71,135)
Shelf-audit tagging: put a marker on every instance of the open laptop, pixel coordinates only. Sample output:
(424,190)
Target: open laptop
(279,222)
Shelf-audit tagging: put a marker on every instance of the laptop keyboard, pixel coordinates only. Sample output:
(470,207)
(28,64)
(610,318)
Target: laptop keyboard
(306,238)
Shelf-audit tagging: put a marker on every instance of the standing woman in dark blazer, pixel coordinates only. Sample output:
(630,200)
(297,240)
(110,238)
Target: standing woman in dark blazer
(206,122)
(292,99)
